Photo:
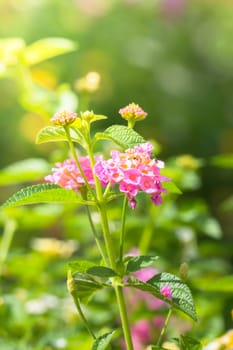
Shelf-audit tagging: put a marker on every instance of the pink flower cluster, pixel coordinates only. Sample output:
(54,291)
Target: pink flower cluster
(67,174)
(133,171)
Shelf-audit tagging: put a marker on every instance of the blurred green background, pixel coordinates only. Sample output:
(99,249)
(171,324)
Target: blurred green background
(172,57)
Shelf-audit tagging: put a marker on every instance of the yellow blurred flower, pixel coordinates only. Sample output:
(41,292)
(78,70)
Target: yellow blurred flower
(225,342)
(54,247)
(88,84)
(189,162)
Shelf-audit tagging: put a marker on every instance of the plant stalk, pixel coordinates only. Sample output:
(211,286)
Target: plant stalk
(122,234)
(8,234)
(164,327)
(80,311)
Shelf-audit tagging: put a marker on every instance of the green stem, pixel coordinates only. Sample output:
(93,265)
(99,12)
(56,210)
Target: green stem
(124,317)
(111,255)
(118,289)
(101,250)
(74,154)
(78,306)
(107,236)
(7,237)
(164,327)
(122,234)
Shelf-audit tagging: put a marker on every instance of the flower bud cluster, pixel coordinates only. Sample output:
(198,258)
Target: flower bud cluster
(133,112)
(63,118)
(133,171)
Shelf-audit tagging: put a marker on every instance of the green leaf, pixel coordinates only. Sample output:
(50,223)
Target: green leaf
(136,263)
(44,193)
(85,286)
(55,134)
(171,187)
(211,227)
(85,266)
(122,136)
(98,117)
(80,266)
(102,342)
(44,49)
(157,347)
(101,271)
(181,294)
(10,51)
(186,342)
(23,171)
(223,161)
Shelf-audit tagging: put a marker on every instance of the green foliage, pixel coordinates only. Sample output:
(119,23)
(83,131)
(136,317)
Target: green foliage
(171,187)
(121,135)
(223,161)
(85,286)
(185,93)
(104,340)
(227,204)
(136,263)
(220,284)
(181,295)
(186,342)
(24,171)
(14,50)
(44,193)
(44,49)
(55,134)
(101,271)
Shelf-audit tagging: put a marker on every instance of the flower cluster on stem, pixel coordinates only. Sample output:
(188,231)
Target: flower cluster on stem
(133,171)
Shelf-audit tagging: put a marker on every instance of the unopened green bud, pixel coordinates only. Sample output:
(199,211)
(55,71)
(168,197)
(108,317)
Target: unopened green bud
(88,116)
(71,285)
(184,270)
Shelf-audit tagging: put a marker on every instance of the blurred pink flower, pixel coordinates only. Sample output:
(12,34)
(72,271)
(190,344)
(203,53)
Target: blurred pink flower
(173,8)
(166,291)
(141,334)
(68,175)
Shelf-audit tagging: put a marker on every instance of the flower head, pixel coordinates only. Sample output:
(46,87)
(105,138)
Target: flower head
(133,171)
(63,118)
(133,112)
(67,174)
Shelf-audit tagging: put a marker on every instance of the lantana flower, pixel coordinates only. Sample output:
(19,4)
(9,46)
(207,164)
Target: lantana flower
(67,174)
(63,118)
(133,171)
(132,112)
